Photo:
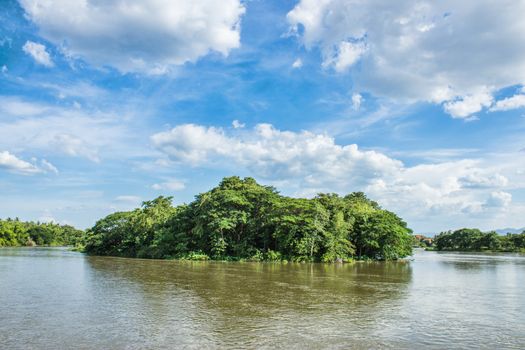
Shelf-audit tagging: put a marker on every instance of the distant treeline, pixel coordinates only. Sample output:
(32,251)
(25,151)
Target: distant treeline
(240,219)
(14,232)
(474,240)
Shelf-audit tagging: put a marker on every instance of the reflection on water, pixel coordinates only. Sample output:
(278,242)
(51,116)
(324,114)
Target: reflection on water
(253,303)
(54,298)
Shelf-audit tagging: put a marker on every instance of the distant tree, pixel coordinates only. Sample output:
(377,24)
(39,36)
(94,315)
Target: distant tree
(14,232)
(474,240)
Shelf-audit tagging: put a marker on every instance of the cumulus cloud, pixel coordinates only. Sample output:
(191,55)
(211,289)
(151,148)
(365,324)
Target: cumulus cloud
(306,163)
(506,104)
(468,105)
(171,185)
(274,154)
(440,52)
(38,52)
(344,55)
(454,185)
(479,180)
(13,164)
(192,143)
(138,36)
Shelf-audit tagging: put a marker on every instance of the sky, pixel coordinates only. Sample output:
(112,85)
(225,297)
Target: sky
(420,104)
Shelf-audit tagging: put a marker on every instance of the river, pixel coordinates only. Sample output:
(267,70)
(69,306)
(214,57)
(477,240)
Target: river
(52,298)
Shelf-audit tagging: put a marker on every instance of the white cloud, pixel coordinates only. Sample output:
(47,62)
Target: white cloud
(298,63)
(138,36)
(74,146)
(499,199)
(274,154)
(237,124)
(171,185)
(73,131)
(4,69)
(419,50)
(468,105)
(357,99)
(13,164)
(344,55)
(480,180)
(427,195)
(513,102)
(38,52)
(191,143)
(447,195)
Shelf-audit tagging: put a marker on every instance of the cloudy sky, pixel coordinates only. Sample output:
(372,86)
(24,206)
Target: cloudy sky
(421,104)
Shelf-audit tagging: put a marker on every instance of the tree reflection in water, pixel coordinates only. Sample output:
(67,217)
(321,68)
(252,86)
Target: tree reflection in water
(260,303)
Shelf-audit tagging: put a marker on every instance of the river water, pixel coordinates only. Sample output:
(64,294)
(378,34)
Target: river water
(51,298)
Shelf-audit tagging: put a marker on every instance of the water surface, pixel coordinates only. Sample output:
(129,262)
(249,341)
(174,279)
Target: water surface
(51,298)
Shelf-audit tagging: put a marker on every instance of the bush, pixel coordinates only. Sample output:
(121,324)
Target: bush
(273,256)
(196,256)
(257,256)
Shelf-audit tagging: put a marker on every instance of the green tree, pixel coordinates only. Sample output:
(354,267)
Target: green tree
(242,219)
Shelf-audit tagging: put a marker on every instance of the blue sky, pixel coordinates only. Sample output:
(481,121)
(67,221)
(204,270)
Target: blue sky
(104,104)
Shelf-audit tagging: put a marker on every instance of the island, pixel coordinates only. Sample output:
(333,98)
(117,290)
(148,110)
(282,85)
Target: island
(243,220)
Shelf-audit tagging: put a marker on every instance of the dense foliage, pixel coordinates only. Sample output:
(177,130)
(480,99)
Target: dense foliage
(240,219)
(474,240)
(14,232)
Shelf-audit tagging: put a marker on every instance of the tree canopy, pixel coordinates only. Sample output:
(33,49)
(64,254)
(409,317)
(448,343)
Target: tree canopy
(14,232)
(241,219)
(468,239)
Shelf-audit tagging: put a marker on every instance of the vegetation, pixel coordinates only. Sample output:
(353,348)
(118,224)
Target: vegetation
(14,232)
(474,240)
(240,219)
